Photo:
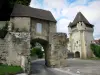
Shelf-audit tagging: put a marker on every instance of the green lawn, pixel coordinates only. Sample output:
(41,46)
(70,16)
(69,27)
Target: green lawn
(95,58)
(5,69)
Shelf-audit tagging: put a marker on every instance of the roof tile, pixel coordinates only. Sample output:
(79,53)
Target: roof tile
(26,11)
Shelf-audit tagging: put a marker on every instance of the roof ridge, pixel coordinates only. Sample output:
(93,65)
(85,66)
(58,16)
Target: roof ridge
(31,7)
(22,11)
(80,18)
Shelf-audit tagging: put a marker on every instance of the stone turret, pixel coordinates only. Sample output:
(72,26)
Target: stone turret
(81,35)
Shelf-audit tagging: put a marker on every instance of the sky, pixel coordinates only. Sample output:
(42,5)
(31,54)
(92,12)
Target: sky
(65,11)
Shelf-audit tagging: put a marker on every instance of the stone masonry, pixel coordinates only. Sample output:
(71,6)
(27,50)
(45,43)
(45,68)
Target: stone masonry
(58,42)
(16,49)
(16,45)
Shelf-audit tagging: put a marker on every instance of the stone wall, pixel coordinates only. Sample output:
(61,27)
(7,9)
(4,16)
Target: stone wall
(58,42)
(15,49)
(18,47)
(3,51)
(47,27)
(21,23)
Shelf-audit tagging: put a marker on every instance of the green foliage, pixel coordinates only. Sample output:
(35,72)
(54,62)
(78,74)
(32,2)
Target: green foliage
(36,51)
(23,2)
(96,49)
(96,58)
(3,31)
(5,69)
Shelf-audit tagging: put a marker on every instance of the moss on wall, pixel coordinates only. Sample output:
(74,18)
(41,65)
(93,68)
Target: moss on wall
(4,30)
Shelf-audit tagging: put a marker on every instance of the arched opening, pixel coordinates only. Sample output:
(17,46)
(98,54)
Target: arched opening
(77,54)
(70,55)
(44,45)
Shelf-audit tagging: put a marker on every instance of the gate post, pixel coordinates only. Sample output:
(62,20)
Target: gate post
(58,51)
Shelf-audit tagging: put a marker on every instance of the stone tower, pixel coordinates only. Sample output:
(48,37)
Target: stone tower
(80,36)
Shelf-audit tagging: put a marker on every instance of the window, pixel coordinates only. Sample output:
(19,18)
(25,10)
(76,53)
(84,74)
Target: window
(77,42)
(39,28)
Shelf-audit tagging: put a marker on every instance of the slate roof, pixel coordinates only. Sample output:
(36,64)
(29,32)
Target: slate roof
(69,24)
(26,11)
(80,18)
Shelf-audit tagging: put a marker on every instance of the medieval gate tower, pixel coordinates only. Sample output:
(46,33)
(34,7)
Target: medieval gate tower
(26,27)
(80,37)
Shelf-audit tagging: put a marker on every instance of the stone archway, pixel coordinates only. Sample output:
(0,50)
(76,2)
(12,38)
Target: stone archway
(77,54)
(44,44)
(55,49)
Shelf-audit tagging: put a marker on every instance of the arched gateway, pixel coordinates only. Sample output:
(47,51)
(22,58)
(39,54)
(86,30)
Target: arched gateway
(77,54)
(30,24)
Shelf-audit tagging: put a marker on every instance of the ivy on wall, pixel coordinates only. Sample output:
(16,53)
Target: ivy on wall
(4,30)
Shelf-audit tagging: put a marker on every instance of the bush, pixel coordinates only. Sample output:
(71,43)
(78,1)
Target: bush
(37,51)
(95,49)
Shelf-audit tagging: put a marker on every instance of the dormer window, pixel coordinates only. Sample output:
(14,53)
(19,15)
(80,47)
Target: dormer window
(38,28)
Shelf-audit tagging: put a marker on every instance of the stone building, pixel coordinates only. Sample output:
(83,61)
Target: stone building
(30,25)
(80,37)
(26,27)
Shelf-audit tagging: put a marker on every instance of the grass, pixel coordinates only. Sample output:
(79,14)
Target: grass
(95,58)
(5,69)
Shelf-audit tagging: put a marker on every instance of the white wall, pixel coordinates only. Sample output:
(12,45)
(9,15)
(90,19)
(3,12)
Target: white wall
(80,39)
(76,41)
(88,39)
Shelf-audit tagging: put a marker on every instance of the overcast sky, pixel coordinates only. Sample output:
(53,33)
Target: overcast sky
(65,11)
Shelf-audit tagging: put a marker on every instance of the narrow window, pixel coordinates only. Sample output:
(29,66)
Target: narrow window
(77,42)
(39,28)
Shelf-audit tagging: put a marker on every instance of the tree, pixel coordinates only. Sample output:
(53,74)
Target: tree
(36,51)
(95,49)
(23,2)
(6,8)
(4,31)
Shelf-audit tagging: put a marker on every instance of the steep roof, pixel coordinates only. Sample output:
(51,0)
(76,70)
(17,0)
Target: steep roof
(26,11)
(69,24)
(80,18)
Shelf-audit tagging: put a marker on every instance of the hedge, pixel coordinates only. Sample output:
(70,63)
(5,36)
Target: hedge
(95,49)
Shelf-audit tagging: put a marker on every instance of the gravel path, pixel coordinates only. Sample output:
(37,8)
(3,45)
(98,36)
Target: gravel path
(75,67)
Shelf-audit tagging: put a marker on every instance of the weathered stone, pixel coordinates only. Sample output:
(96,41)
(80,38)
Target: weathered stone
(15,47)
(58,56)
